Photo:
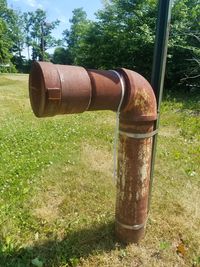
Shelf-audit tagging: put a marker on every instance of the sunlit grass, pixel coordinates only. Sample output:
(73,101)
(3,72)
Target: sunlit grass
(57,194)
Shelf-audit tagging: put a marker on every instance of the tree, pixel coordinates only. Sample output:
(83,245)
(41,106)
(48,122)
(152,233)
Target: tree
(18,39)
(76,37)
(6,41)
(117,39)
(39,34)
(11,37)
(124,36)
(61,56)
(184,45)
(5,44)
(27,30)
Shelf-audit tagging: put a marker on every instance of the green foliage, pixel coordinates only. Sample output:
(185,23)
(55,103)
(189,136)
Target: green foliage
(36,262)
(184,45)
(39,34)
(11,37)
(77,36)
(61,56)
(124,35)
(5,41)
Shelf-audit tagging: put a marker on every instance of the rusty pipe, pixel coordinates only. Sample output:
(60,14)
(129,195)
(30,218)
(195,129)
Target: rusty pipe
(134,158)
(57,89)
(61,89)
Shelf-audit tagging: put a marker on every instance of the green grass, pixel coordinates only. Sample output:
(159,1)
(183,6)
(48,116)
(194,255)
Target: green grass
(57,197)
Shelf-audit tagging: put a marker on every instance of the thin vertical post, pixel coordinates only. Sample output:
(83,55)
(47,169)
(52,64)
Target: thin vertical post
(158,69)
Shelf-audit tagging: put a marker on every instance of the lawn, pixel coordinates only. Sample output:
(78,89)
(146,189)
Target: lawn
(57,195)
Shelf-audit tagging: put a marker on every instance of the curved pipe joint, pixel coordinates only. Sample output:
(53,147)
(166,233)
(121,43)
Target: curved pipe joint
(57,89)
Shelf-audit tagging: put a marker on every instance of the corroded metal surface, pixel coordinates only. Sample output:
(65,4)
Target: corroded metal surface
(42,77)
(106,90)
(61,89)
(141,101)
(134,158)
(57,89)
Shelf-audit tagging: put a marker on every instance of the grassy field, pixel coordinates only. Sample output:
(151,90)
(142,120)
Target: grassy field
(57,196)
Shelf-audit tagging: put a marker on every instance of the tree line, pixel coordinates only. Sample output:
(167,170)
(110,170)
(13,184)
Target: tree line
(19,31)
(122,35)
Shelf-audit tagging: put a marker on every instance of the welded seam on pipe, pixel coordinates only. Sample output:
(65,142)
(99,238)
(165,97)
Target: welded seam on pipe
(117,124)
(131,227)
(138,135)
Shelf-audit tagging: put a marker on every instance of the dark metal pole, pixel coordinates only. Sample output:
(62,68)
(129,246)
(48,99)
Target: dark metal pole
(159,64)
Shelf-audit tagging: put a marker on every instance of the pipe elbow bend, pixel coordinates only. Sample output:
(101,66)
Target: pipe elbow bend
(140,102)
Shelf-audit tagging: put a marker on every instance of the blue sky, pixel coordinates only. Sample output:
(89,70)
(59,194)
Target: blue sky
(58,9)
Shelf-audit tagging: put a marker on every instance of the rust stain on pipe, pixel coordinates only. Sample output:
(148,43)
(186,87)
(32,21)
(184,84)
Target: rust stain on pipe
(106,90)
(134,158)
(57,89)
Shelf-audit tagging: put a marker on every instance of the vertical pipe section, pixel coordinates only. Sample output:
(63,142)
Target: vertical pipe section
(158,70)
(134,157)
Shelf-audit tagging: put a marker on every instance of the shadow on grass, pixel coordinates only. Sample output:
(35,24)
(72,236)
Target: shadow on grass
(69,250)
